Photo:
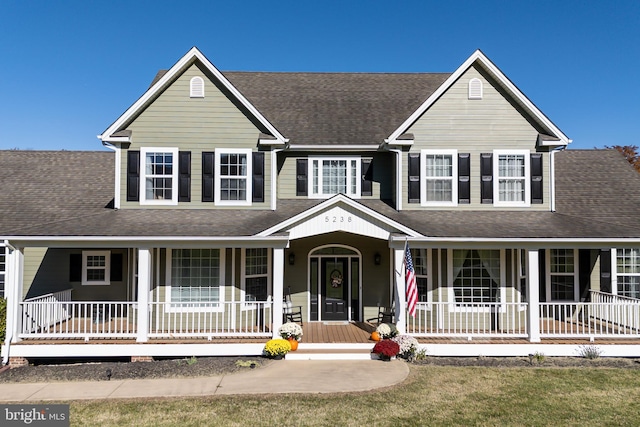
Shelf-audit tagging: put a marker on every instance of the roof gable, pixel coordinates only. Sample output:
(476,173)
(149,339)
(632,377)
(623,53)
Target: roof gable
(555,136)
(163,81)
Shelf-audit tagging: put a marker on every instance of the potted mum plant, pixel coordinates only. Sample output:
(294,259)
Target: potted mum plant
(292,332)
(277,348)
(386,349)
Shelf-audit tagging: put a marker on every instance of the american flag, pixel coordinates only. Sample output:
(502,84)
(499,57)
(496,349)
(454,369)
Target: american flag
(410,278)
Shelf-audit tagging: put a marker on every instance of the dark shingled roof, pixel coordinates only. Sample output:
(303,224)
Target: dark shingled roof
(68,193)
(336,108)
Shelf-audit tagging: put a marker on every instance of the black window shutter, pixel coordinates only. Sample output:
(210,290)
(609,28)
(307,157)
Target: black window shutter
(116,267)
(464,178)
(184,176)
(414,178)
(542,274)
(605,271)
(366,186)
(208,176)
(258,177)
(486,177)
(536,178)
(133,176)
(75,267)
(584,273)
(301,177)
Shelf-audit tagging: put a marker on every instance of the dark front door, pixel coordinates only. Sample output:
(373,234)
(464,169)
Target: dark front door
(334,285)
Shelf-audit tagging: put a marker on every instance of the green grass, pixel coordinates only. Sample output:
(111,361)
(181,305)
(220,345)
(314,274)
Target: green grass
(431,396)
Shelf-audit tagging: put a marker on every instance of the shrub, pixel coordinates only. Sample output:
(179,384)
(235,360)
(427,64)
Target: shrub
(590,352)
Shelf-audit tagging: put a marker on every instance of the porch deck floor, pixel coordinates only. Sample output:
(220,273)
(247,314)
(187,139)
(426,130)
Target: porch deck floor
(329,333)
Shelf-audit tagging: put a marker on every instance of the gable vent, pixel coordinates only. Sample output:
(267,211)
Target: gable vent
(197,87)
(475,89)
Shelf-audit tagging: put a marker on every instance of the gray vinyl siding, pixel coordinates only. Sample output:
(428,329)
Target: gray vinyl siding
(383,174)
(46,270)
(475,127)
(175,119)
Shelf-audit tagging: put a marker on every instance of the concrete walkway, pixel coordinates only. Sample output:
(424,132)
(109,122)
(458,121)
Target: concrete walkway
(283,376)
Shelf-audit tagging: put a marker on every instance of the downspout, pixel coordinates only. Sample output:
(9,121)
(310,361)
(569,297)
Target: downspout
(274,174)
(552,178)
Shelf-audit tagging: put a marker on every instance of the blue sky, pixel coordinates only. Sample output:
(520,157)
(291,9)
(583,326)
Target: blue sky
(70,68)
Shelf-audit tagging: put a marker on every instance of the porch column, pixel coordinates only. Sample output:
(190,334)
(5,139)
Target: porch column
(533,295)
(278,290)
(13,292)
(401,298)
(144,287)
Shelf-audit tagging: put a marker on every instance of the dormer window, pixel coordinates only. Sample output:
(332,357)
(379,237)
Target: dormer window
(334,175)
(475,89)
(197,87)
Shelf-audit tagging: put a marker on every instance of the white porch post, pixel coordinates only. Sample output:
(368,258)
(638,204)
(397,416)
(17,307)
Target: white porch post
(13,292)
(278,290)
(144,287)
(533,295)
(400,300)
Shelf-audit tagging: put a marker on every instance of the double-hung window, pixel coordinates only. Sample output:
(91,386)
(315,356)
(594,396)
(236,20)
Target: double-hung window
(256,274)
(194,278)
(477,276)
(233,177)
(96,267)
(159,180)
(562,280)
(421,270)
(628,272)
(440,174)
(334,175)
(512,182)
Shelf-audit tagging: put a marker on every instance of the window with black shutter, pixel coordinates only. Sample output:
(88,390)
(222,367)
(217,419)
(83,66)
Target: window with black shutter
(366,186)
(184,176)
(464,178)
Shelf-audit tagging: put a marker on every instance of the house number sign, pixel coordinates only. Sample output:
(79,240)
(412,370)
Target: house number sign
(337,218)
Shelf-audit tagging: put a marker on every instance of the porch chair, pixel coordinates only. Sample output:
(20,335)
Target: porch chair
(385,315)
(290,312)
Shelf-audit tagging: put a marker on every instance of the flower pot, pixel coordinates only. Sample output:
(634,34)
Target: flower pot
(294,344)
(277,357)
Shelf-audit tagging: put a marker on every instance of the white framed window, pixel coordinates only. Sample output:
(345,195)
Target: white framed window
(194,279)
(159,180)
(196,87)
(256,277)
(233,177)
(96,267)
(334,175)
(421,267)
(440,177)
(562,275)
(475,88)
(511,178)
(477,278)
(627,276)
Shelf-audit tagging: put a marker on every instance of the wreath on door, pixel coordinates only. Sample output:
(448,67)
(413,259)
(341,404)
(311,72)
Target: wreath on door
(336,278)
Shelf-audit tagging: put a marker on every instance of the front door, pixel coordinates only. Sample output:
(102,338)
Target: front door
(334,287)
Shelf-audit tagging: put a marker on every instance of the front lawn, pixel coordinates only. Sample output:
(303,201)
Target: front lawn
(432,395)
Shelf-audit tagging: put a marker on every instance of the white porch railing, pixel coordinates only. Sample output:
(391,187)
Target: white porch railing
(225,319)
(469,320)
(604,317)
(45,318)
(44,310)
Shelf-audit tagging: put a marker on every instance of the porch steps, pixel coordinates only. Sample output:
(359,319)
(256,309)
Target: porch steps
(331,352)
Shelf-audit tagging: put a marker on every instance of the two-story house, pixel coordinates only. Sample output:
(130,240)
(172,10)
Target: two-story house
(230,199)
